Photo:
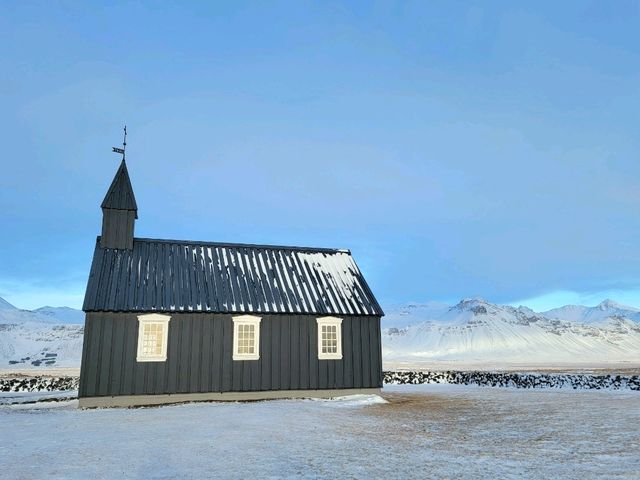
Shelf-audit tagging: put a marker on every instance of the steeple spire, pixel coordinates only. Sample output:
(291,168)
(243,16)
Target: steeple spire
(120,194)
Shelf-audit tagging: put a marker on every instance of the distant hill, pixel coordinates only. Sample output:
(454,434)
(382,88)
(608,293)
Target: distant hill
(4,305)
(475,331)
(52,315)
(61,314)
(403,315)
(594,315)
(46,337)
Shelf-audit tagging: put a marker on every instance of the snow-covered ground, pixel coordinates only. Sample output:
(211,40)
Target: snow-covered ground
(425,431)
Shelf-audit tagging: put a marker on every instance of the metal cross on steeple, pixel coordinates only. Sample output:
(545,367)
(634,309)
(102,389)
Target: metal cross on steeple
(124,145)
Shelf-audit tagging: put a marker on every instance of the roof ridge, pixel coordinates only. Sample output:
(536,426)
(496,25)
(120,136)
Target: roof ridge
(242,245)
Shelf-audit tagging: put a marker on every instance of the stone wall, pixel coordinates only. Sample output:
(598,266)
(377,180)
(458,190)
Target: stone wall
(517,380)
(38,384)
(488,379)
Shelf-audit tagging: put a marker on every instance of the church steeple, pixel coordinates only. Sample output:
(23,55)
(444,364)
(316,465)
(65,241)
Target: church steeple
(120,194)
(119,212)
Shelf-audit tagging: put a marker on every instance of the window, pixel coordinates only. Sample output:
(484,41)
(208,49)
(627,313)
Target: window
(329,338)
(246,337)
(153,333)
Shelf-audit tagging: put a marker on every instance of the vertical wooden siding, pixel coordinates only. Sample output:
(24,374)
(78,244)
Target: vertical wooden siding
(117,228)
(199,356)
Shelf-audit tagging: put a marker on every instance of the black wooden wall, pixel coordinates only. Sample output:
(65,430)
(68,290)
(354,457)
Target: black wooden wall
(117,228)
(199,356)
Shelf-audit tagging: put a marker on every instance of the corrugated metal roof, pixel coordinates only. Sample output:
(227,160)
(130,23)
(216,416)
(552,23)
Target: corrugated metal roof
(170,275)
(120,194)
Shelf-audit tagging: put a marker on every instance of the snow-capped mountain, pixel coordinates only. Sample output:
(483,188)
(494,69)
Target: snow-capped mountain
(52,315)
(61,314)
(403,315)
(4,305)
(594,315)
(476,331)
(44,337)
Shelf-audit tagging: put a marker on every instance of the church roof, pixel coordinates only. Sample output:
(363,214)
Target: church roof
(120,194)
(183,276)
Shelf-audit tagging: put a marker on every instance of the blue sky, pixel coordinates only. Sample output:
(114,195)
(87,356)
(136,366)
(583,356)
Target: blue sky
(458,149)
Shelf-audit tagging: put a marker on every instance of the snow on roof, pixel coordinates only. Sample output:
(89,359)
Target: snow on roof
(171,275)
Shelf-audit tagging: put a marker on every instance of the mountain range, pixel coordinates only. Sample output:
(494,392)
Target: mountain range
(45,337)
(473,333)
(476,332)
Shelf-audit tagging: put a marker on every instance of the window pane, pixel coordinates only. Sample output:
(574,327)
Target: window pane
(152,339)
(328,340)
(246,340)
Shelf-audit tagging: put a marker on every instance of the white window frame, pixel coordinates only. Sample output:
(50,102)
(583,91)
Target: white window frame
(151,318)
(246,320)
(334,321)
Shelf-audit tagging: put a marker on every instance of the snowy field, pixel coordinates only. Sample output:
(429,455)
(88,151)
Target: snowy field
(424,431)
